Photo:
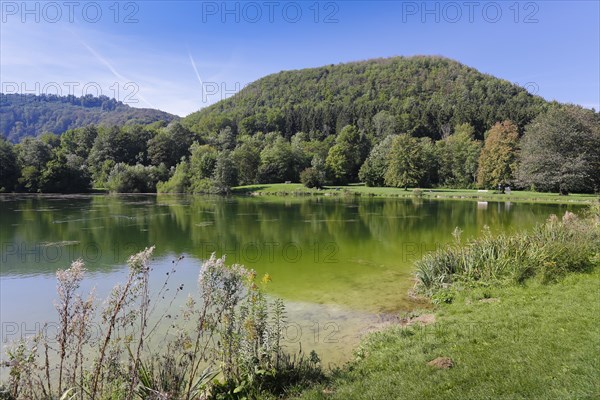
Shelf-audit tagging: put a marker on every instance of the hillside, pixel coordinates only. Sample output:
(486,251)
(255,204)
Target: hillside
(32,115)
(425,96)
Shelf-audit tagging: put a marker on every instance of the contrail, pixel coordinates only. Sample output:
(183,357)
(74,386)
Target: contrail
(112,69)
(196,70)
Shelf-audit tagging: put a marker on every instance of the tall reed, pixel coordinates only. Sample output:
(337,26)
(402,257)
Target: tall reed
(547,252)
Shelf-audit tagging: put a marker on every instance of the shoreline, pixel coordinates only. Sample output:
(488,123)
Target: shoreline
(298,190)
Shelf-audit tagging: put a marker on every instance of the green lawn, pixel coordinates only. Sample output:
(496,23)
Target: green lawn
(533,342)
(283,189)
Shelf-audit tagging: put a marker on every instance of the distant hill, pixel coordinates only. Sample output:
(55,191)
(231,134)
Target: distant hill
(425,95)
(32,115)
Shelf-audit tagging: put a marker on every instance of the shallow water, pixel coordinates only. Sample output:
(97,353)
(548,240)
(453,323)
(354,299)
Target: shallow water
(340,264)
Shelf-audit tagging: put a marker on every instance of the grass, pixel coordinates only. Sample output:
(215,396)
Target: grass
(536,342)
(288,189)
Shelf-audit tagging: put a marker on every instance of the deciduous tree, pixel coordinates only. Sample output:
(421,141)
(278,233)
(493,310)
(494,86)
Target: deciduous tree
(405,162)
(346,155)
(498,159)
(458,157)
(9,169)
(372,172)
(561,151)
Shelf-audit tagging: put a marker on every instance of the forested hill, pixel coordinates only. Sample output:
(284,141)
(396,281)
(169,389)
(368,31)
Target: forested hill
(424,95)
(32,115)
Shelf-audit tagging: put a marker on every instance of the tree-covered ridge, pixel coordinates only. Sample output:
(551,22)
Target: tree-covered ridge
(31,115)
(421,96)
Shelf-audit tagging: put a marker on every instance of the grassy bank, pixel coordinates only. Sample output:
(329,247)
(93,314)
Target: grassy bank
(533,338)
(532,342)
(297,189)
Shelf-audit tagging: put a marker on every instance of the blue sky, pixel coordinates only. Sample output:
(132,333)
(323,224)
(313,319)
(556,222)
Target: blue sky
(180,56)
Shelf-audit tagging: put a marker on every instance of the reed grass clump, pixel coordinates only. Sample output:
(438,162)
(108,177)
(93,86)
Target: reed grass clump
(551,250)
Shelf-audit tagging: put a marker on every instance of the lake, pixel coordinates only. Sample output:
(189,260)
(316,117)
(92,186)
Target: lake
(340,264)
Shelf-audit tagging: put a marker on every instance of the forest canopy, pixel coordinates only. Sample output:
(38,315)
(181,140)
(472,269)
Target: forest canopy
(30,115)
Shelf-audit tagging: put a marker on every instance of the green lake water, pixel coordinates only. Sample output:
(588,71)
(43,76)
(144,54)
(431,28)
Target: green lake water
(340,264)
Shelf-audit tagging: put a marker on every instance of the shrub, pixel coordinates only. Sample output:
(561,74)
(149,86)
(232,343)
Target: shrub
(312,178)
(178,183)
(138,178)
